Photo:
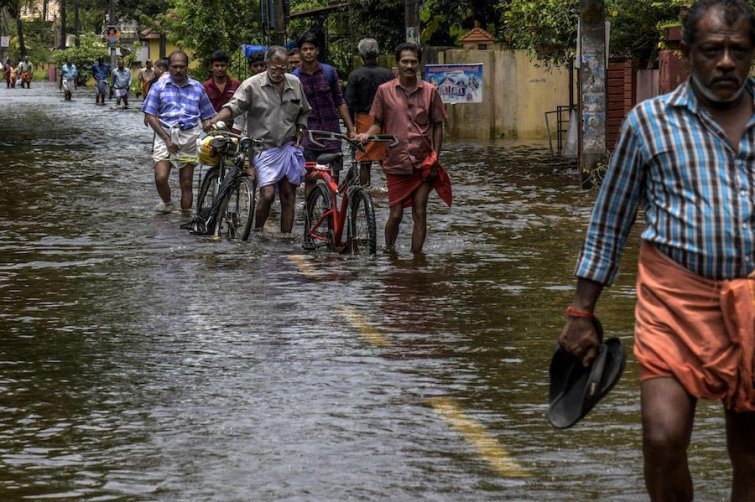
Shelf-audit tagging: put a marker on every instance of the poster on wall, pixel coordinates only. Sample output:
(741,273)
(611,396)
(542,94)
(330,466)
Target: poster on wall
(113,36)
(456,83)
(5,41)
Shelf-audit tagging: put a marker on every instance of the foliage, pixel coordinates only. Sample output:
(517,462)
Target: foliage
(444,22)
(90,48)
(209,25)
(548,28)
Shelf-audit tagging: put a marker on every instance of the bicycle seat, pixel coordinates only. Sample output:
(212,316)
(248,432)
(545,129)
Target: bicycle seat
(327,158)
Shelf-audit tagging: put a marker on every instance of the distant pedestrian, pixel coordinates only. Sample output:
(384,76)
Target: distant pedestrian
(220,86)
(68,74)
(360,90)
(14,75)
(161,71)
(100,73)
(294,59)
(25,72)
(144,78)
(6,72)
(121,83)
(176,108)
(411,109)
(256,63)
(323,91)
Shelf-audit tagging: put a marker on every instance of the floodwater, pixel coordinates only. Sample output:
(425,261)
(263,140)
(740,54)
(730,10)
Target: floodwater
(139,362)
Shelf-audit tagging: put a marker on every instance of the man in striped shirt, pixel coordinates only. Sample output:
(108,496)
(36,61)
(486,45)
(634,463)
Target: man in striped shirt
(689,157)
(176,108)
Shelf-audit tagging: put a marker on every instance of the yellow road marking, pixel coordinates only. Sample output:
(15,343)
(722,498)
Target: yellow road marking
(475,434)
(304,265)
(358,321)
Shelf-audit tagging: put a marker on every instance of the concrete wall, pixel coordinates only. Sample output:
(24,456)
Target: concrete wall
(516,95)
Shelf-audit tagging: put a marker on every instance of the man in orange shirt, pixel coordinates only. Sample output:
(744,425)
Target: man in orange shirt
(410,109)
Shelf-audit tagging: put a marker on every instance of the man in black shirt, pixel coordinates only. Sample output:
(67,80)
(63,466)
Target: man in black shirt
(362,86)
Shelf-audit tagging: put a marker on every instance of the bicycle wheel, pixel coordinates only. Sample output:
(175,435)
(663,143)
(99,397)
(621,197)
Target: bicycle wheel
(207,190)
(361,230)
(318,228)
(237,215)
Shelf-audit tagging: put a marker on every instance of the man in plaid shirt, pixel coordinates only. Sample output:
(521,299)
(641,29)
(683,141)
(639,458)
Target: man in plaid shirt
(176,108)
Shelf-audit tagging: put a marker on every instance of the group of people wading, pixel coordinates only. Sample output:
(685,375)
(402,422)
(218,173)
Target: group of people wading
(688,157)
(18,73)
(278,103)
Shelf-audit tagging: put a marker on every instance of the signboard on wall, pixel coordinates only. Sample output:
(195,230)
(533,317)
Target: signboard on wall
(456,83)
(113,36)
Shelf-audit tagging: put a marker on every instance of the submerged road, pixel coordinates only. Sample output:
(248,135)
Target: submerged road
(139,362)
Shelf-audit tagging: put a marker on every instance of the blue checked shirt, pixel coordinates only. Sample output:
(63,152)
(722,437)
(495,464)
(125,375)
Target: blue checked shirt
(697,191)
(183,106)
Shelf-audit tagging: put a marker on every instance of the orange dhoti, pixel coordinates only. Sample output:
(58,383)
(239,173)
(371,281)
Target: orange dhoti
(401,187)
(699,331)
(372,151)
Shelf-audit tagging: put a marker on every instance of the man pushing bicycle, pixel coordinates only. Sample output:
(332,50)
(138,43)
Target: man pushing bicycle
(276,114)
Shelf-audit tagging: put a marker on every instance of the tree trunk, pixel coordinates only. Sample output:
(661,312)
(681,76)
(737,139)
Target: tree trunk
(21,44)
(44,10)
(14,10)
(63,32)
(76,25)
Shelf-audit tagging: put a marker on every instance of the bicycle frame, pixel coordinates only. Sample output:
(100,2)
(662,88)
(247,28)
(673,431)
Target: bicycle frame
(232,149)
(340,194)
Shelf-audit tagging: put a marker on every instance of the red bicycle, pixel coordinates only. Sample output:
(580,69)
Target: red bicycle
(326,216)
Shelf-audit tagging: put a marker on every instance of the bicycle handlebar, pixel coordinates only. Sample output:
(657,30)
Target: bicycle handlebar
(220,129)
(337,136)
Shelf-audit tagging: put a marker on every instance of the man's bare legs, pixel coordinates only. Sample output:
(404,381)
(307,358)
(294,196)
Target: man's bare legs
(419,216)
(391,226)
(267,196)
(162,175)
(162,183)
(185,175)
(667,416)
(288,204)
(365,168)
(740,438)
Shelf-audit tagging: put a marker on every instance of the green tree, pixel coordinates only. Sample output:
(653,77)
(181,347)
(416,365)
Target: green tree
(91,47)
(548,28)
(209,25)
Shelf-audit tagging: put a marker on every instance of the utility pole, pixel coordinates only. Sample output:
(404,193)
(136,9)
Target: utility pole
(592,89)
(111,22)
(279,36)
(411,20)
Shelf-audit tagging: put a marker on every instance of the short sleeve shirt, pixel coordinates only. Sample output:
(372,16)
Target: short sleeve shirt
(410,117)
(217,97)
(270,116)
(178,105)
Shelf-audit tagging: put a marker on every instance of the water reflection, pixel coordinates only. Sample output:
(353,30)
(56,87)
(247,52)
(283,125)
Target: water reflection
(141,362)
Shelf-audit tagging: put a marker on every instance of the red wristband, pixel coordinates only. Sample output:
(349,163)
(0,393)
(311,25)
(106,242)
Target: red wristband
(572,312)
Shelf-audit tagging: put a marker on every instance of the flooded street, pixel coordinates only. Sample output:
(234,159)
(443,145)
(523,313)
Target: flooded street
(139,362)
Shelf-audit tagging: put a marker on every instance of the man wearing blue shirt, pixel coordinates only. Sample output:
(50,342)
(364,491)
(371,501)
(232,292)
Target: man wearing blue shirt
(688,157)
(121,83)
(100,73)
(176,108)
(68,74)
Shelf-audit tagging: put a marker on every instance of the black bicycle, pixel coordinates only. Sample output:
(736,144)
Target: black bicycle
(227,196)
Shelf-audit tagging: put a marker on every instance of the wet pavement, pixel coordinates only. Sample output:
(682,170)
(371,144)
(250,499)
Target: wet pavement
(140,362)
